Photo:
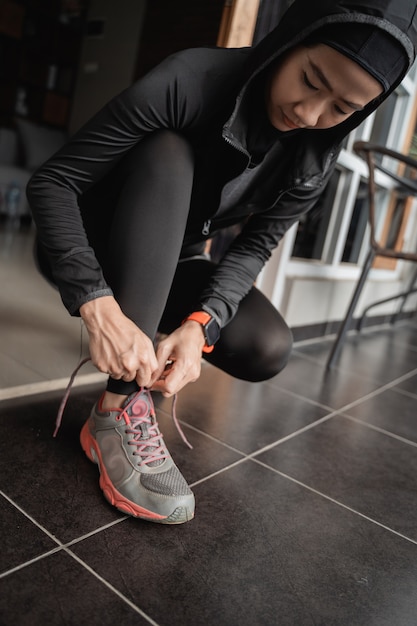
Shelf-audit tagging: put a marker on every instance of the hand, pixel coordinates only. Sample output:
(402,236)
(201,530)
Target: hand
(182,351)
(117,346)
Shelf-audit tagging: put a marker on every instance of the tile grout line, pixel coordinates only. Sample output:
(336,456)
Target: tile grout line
(368,396)
(208,436)
(35,559)
(342,370)
(60,545)
(64,548)
(278,442)
(32,519)
(408,394)
(293,394)
(325,418)
(340,504)
(218,472)
(88,378)
(247,455)
(378,429)
(251,455)
(377,392)
(110,586)
(372,394)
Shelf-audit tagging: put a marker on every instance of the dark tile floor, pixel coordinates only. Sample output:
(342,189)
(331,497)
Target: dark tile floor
(306,491)
(306,485)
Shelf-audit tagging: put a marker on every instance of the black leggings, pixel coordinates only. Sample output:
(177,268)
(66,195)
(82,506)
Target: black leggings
(136,219)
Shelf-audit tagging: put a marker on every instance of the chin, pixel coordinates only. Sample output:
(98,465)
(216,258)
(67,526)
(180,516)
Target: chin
(277,123)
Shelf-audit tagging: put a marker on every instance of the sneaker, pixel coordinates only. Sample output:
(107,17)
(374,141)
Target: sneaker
(137,473)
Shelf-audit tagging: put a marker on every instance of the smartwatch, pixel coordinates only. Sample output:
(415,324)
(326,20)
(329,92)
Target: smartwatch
(211,328)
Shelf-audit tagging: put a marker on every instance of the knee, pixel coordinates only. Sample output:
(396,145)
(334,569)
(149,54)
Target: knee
(163,155)
(269,359)
(260,357)
(170,145)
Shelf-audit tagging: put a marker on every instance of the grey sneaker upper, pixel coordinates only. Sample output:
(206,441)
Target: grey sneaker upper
(134,460)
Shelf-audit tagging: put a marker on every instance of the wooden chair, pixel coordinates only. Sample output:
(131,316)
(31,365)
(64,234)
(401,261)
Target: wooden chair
(405,186)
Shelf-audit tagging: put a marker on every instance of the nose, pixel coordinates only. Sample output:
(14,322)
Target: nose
(308,112)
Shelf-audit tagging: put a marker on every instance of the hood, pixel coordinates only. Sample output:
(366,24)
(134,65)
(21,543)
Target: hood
(304,17)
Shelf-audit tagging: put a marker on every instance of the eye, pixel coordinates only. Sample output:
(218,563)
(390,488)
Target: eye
(308,83)
(339,110)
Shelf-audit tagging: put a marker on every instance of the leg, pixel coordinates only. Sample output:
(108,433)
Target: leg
(135,220)
(254,346)
(142,209)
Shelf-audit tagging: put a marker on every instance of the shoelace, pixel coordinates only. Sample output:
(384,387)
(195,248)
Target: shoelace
(151,447)
(64,401)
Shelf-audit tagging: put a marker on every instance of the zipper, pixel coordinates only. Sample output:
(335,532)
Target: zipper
(305,185)
(225,221)
(206,227)
(236,146)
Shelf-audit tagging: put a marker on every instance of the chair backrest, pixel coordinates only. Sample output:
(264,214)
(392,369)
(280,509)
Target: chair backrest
(405,178)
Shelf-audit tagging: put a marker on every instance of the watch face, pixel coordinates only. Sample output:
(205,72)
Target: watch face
(212,332)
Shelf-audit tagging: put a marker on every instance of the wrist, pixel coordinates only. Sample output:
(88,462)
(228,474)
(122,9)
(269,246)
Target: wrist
(93,311)
(209,326)
(196,330)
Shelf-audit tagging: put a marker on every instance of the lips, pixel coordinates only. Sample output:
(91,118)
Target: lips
(288,122)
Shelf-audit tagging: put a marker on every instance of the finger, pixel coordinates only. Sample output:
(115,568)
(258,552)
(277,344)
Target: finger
(131,369)
(112,372)
(129,377)
(143,377)
(159,386)
(176,378)
(164,363)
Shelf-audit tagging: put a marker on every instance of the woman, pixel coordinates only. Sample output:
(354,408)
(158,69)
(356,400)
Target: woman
(210,138)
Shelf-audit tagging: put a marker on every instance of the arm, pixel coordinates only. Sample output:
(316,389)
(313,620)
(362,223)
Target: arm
(162,99)
(182,93)
(238,270)
(116,344)
(157,101)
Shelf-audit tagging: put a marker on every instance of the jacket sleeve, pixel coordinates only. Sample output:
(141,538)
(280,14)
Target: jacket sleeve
(162,99)
(239,268)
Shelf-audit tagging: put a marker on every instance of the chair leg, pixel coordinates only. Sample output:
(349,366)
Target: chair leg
(341,336)
(404,296)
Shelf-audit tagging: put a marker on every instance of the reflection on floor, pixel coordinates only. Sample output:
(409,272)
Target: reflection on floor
(306,488)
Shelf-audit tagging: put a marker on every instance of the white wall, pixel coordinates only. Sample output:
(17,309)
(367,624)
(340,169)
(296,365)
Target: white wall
(107,62)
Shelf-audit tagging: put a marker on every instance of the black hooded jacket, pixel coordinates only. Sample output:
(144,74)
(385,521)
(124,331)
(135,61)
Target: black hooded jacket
(205,94)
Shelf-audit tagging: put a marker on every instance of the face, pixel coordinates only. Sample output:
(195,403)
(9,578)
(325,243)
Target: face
(316,88)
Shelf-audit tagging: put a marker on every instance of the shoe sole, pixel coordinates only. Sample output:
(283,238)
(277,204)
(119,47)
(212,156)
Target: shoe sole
(180,515)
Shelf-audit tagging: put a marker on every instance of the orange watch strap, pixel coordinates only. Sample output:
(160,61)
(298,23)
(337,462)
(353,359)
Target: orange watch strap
(199,316)
(202,318)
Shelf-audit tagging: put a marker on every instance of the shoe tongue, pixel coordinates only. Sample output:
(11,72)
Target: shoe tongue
(142,407)
(144,430)
(130,397)
(140,404)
